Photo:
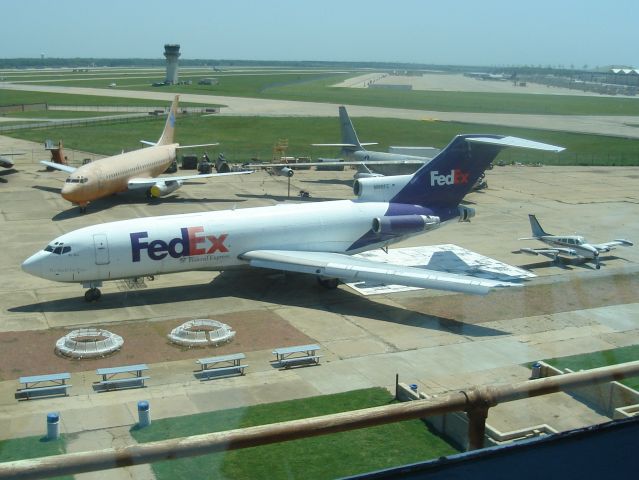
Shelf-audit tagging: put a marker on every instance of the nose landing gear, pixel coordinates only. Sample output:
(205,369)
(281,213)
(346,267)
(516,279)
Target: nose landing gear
(92,295)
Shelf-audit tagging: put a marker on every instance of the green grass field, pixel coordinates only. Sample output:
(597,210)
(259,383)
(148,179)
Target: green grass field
(600,359)
(16,97)
(313,86)
(31,447)
(328,456)
(243,138)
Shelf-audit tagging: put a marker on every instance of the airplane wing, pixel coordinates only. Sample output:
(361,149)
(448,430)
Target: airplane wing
(336,163)
(605,247)
(58,166)
(150,181)
(549,252)
(347,268)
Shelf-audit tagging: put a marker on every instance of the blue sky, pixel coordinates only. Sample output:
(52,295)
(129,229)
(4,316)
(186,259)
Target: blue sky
(461,32)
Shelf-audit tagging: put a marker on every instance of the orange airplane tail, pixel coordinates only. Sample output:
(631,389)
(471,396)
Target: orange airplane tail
(169,127)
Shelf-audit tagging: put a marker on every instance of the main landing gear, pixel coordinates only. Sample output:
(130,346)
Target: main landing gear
(328,283)
(92,295)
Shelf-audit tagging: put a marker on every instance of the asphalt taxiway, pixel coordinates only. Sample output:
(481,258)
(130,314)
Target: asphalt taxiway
(438,340)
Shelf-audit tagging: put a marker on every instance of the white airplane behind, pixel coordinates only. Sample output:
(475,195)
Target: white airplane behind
(316,238)
(136,170)
(7,162)
(570,245)
(369,163)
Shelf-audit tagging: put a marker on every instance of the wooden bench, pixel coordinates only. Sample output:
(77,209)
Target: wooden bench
(229,364)
(109,379)
(43,385)
(297,355)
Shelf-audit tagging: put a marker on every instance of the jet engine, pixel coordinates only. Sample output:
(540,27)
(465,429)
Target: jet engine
(284,172)
(379,189)
(404,224)
(466,213)
(162,189)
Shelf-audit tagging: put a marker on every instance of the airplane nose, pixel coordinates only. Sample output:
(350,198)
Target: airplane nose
(68,192)
(33,265)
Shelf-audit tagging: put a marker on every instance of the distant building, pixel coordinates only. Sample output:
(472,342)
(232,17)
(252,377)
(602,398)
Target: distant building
(172,53)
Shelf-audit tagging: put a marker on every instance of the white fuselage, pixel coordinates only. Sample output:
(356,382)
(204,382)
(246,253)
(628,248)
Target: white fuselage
(396,168)
(572,242)
(204,241)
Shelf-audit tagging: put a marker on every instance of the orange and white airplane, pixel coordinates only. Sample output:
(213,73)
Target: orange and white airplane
(136,170)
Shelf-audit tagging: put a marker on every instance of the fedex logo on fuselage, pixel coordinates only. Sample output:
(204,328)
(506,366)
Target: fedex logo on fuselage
(190,242)
(455,177)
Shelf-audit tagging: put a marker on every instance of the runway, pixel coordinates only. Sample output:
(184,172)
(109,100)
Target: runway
(617,126)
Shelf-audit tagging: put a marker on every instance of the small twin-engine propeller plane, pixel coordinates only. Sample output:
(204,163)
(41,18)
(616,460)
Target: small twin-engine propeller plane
(316,238)
(568,245)
(131,170)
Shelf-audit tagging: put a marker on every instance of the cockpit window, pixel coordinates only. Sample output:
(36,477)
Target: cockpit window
(76,180)
(57,248)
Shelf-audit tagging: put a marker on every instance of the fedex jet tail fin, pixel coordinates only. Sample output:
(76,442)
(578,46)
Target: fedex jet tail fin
(169,127)
(444,181)
(537,231)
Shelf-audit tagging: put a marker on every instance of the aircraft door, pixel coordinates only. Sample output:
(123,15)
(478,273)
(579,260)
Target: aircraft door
(101,246)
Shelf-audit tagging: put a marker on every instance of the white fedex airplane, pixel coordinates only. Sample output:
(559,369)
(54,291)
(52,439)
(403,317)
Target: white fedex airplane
(316,238)
(569,245)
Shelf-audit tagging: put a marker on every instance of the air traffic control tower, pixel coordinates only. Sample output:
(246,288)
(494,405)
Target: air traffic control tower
(172,53)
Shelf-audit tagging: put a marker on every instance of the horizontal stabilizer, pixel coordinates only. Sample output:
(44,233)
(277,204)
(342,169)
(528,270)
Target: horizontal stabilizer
(58,166)
(351,145)
(198,146)
(147,142)
(347,268)
(516,142)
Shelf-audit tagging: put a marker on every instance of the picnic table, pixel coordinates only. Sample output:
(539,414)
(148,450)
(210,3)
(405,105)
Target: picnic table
(300,354)
(41,385)
(221,364)
(124,376)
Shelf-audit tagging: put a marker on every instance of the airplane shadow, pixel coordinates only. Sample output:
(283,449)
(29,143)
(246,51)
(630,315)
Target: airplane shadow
(291,289)
(48,189)
(570,263)
(133,198)
(283,198)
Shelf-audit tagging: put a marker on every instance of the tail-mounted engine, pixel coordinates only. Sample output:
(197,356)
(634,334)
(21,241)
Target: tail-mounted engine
(405,224)
(379,189)
(466,213)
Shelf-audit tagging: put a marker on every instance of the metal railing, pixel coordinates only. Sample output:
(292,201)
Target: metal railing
(475,402)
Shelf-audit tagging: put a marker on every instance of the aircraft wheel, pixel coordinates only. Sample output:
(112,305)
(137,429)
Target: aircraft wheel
(92,294)
(328,283)
(83,209)
(598,266)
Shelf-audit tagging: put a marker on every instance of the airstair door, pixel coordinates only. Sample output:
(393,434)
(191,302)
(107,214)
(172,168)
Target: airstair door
(101,249)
